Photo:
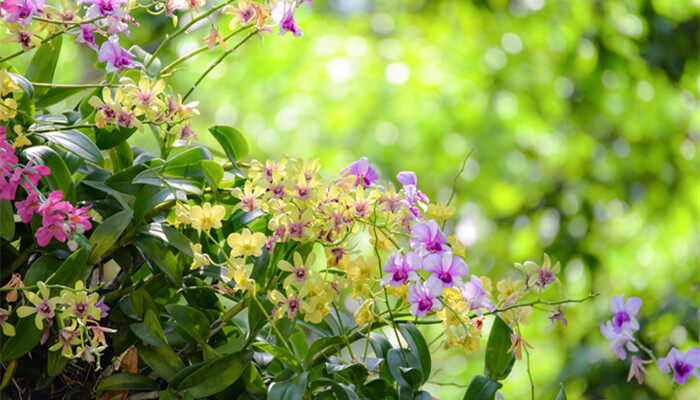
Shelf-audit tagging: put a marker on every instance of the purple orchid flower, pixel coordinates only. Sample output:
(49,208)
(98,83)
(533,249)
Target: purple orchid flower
(24,11)
(624,312)
(446,270)
(619,341)
(363,171)
(473,292)
(105,8)
(428,238)
(401,269)
(116,57)
(413,199)
(682,364)
(423,298)
(283,14)
(86,36)
(104,309)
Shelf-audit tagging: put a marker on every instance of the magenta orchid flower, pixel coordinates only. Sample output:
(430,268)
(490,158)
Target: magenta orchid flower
(401,269)
(624,312)
(364,172)
(86,36)
(116,57)
(446,269)
(428,238)
(619,341)
(414,199)
(423,298)
(53,206)
(105,8)
(682,364)
(51,228)
(473,292)
(79,220)
(8,6)
(21,12)
(283,15)
(26,208)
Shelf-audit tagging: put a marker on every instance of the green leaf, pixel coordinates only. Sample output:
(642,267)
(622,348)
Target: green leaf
(43,65)
(143,56)
(281,354)
(233,142)
(75,142)
(71,271)
(41,269)
(381,346)
(55,362)
(121,156)
(498,361)
(7,221)
(187,184)
(186,163)
(123,181)
(190,320)
(356,373)
(562,392)
(111,136)
(319,345)
(170,235)
(378,389)
(162,360)
(417,343)
(215,376)
(397,362)
(149,330)
(23,83)
(60,178)
(481,388)
(160,257)
(150,197)
(107,234)
(27,336)
(341,392)
(253,381)
(291,389)
(213,172)
(124,381)
(55,94)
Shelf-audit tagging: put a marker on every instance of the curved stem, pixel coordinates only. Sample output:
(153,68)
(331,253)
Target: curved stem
(217,62)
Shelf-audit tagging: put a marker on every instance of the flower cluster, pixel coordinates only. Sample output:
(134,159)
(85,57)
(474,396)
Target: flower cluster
(620,332)
(427,275)
(8,105)
(59,219)
(76,313)
(132,104)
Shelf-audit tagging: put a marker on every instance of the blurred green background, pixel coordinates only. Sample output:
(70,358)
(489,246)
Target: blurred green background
(583,125)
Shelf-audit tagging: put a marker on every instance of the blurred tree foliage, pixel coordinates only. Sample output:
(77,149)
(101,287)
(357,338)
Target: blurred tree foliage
(584,127)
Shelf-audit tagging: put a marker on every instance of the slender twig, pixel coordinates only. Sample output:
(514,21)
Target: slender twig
(454,182)
(217,62)
(182,30)
(172,65)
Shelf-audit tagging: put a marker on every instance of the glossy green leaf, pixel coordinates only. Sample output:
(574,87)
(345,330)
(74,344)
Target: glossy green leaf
(27,336)
(356,373)
(55,363)
(187,184)
(158,256)
(41,269)
(125,381)
(340,391)
(562,393)
(290,389)
(378,389)
(233,142)
(190,320)
(418,345)
(55,94)
(318,346)
(43,64)
(149,330)
(216,375)
(23,83)
(71,270)
(121,156)
(110,136)
(75,142)
(498,361)
(396,361)
(381,346)
(162,360)
(60,178)
(213,172)
(481,388)
(107,234)
(186,164)
(281,354)
(7,222)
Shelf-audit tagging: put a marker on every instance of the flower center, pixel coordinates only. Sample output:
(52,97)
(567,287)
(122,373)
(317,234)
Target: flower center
(434,246)
(620,319)
(446,277)
(681,368)
(425,304)
(400,276)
